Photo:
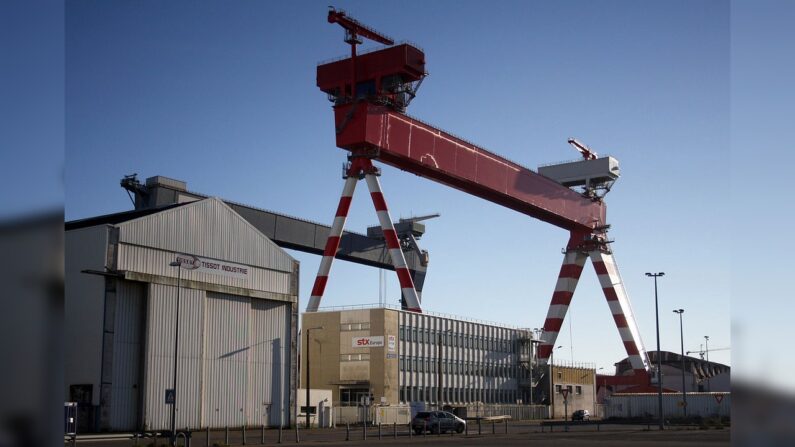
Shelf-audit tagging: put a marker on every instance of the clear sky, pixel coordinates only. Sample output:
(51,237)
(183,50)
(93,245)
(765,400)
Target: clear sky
(222,95)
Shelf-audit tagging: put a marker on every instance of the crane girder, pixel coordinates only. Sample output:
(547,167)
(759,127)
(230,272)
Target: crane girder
(414,146)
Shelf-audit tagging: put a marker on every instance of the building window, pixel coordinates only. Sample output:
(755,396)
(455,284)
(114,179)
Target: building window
(578,389)
(568,387)
(402,333)
(402,364)
(558,388)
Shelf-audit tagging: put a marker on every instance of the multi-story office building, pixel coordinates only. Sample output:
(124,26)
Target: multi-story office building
(396,357)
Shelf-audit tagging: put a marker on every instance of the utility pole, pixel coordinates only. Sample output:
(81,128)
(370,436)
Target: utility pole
(659,354)
(682,341)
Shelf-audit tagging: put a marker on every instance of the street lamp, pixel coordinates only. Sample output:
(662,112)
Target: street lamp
(439,367)
(682,341)
(178,265)
(552,378)
(659,355)
(706,349)
(307,373)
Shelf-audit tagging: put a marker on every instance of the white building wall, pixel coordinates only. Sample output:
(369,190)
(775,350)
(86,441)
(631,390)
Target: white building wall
(234,359)
(126,382)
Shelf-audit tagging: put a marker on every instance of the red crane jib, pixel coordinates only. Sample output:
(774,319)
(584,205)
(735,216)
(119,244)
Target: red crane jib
(411,145)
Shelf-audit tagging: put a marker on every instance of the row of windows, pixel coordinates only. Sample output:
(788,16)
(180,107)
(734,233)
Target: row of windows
(355,326)
(430,394)
(577,389)
(415,364)
(431,336)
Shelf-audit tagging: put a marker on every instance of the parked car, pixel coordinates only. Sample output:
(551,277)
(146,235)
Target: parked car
(581,415)
(437,421)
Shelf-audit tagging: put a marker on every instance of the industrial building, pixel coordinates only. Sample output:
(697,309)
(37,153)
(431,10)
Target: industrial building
(573,388)
(399,357)
(133,278)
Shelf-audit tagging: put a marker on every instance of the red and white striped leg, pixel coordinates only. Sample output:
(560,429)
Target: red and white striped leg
(617,298)
(390,236)
(332,243)
(568,278)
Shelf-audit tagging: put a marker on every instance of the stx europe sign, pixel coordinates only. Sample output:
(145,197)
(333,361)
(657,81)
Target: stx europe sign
(368,342)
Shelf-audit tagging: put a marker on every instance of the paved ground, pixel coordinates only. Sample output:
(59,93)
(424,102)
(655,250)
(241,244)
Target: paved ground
(519,433)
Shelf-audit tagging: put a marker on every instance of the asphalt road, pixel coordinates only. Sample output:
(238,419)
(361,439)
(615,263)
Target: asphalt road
(518,434)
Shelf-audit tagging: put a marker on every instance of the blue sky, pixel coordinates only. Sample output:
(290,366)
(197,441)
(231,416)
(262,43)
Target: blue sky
(222,95)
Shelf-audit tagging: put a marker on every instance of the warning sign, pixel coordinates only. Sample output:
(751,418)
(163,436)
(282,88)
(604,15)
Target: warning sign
(565,393)
(719,398)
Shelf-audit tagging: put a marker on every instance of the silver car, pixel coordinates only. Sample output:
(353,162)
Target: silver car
(436,422)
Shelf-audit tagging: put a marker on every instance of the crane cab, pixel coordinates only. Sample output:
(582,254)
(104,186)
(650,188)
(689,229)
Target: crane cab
(388,76)
(593,175)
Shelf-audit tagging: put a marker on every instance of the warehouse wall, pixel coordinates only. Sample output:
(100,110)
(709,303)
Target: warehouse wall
(234,359)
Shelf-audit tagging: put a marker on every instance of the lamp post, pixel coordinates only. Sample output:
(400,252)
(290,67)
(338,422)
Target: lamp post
(552,378)
(439,367)
(178,265)
(706,349)
(659,356)
(308,423)
(682,341)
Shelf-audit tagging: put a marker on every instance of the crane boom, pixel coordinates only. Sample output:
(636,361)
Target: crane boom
(356,28)
(414,146)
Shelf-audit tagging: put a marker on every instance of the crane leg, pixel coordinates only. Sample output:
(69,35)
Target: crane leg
(613,288)
(332,243)
(390,236)
(569,276)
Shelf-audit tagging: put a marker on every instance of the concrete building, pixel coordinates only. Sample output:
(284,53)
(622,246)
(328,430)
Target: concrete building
(235,293)
(399,357)
(573,388)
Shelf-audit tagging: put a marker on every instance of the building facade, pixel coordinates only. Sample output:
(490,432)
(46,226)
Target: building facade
(398,357)
(573,388)
(132,278)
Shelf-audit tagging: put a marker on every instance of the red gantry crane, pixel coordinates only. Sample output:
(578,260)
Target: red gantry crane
(370,93)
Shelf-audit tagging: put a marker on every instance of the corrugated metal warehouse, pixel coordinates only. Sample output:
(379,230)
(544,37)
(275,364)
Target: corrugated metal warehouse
(238,309)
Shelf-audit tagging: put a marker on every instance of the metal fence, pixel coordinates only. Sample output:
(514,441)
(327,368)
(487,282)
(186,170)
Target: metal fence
(401,414)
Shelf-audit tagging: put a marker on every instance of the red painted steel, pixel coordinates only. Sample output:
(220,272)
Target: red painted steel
(411,145)
(404,61)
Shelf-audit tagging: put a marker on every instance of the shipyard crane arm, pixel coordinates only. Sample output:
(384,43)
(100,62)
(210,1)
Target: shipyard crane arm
(355,29)
(584,150)
(372,125)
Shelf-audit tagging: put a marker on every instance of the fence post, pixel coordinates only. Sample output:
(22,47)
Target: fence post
(262,435)
(364,430)
(297,436)
(244,434)
(280,433)
(466,428)
(379,430)
(506,426)
(347,431)
(479,427)
(226,435)
(207,436)
(394,430)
